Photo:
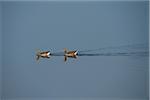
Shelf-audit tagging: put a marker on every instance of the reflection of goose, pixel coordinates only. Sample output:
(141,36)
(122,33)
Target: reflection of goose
(70,54)
(45,54)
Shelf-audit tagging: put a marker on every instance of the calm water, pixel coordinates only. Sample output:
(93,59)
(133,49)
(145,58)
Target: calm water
(84,26)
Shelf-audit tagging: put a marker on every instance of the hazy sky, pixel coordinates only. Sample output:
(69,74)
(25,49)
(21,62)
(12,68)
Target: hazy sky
(28,26)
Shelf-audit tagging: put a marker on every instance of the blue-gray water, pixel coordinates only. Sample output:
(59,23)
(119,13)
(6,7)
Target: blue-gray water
(134,50)
(0,50)
(28,26)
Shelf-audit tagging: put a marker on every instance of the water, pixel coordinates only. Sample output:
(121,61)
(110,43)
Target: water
(112,61)
(126,50)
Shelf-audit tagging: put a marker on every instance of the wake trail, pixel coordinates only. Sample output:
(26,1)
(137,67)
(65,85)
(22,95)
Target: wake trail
(123,50)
